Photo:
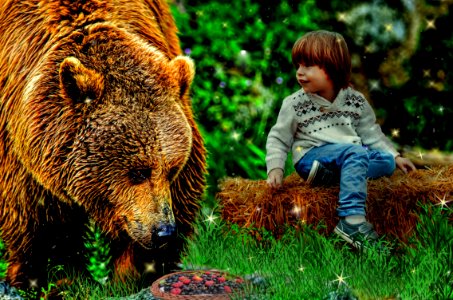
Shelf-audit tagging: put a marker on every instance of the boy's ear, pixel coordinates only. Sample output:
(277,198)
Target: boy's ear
(184,71)
(78,82)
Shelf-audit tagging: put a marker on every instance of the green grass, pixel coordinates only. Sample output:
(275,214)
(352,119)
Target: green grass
(3,264)
(307,265)
(85,288)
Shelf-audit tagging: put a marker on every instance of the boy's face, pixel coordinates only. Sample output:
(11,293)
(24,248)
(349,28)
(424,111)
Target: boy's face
(315,80)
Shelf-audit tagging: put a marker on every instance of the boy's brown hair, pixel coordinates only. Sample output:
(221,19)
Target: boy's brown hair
(327,50)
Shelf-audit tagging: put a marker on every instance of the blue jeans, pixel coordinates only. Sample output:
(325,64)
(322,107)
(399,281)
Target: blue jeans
(354,164)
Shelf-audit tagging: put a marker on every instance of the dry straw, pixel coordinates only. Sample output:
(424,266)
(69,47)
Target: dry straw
(391,204)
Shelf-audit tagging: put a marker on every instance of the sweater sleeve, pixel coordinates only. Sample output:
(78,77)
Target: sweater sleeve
(280,138)
(371,133)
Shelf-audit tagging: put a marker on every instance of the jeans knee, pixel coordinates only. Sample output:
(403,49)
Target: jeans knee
(390,163)
(356,151)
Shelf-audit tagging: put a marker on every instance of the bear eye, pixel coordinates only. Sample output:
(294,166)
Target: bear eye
(90,96)
(138,176)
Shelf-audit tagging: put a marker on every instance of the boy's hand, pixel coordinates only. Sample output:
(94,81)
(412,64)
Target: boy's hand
(275,178)
(404,164)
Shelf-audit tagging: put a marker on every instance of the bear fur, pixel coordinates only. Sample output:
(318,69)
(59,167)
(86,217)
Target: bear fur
(96,124)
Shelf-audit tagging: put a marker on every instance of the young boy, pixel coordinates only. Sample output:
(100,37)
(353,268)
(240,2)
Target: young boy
(332,132)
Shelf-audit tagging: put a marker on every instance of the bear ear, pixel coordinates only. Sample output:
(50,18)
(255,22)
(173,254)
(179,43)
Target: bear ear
(184,70)
(79,83)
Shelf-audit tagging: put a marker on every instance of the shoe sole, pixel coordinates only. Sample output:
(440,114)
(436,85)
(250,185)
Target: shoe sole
(346,237)
(358,245)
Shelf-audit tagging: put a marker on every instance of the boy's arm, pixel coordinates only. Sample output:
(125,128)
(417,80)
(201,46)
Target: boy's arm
(280,138)
(371,134)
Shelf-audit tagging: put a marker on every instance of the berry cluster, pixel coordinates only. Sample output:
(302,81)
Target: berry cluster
(198,283)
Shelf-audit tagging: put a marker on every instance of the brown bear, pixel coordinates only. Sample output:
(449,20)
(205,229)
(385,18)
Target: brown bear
(96,123)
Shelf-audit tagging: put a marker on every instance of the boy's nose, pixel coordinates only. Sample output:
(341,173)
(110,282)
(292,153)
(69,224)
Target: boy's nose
(300,71)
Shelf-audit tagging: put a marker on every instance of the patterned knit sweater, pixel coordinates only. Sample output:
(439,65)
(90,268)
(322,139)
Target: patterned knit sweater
(308,120)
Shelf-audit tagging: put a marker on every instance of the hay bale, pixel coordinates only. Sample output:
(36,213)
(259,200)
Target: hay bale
(430,158)
(391,204)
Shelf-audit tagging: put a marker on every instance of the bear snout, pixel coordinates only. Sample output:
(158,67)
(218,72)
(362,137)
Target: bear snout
(152,237)
(165,229)
(167,226)
(150,229)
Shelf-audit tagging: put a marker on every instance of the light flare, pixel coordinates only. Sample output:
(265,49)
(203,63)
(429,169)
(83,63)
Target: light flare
(33,283)
(443,202)
(341,17)
(211,218)
(430,24)
(296,210)
(420,154)
(150,267)
(427,73)
(395,132)
(388,27)
(341,279)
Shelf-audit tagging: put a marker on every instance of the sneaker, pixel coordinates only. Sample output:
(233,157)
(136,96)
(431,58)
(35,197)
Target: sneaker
(358,235)
(320,175)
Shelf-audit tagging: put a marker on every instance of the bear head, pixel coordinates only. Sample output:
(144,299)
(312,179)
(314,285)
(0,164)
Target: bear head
(103,124)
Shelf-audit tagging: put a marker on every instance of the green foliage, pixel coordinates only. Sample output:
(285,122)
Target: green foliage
(45,292)
(97,248)
(3,264)
(242,51)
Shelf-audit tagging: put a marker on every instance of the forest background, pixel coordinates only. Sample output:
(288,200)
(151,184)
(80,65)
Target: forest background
(402,52)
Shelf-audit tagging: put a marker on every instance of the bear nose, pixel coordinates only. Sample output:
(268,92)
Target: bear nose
(167,224)
(166,229)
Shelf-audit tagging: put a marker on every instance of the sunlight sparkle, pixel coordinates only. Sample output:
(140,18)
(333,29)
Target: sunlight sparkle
(150,268)
(369,49)
(420,154)
(443,202)
(296,210)
(395,132)
(236,135)
(427,73)
(33,283)
(211,218)
(430,24)
(341,17)
(374,85)
(341,279)
(388,27)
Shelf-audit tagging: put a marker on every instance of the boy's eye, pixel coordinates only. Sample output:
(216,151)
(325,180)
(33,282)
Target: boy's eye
(306,66)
